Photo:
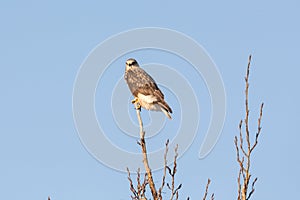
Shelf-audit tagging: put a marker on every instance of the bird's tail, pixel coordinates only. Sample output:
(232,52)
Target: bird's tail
(165,108)
(166,112)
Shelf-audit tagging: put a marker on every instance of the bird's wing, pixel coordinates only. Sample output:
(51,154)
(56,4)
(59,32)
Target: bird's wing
(140,81)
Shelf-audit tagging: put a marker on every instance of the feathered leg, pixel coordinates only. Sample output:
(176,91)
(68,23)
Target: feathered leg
(136,101)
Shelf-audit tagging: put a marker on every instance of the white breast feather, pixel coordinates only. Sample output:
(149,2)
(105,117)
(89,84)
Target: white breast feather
(146,101)
(147,98)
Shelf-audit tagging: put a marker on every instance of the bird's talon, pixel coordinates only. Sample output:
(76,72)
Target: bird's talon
(135,100)
(138,107)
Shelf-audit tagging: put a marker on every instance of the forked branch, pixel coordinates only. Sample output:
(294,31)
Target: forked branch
(244,159)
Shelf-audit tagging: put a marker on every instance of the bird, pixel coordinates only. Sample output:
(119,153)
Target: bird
(144,89)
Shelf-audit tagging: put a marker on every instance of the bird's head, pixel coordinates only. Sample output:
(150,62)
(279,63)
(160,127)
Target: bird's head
(131,63)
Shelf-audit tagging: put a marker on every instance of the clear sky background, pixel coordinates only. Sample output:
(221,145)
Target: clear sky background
(43,43)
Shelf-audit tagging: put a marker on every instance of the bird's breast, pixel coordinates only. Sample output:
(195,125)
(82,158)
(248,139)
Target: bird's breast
(148,102)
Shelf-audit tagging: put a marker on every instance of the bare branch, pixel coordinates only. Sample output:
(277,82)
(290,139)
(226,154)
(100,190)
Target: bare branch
(165,172)
(138,180)
(141,186)
(132,189)
(241,138)
(140,190)
(239,184)
(252,188)
(177,195)
(244,171)
(172,172)
(144,151)
(247,104)
(174,191)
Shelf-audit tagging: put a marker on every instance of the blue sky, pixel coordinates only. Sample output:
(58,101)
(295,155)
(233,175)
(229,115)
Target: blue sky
(43,44)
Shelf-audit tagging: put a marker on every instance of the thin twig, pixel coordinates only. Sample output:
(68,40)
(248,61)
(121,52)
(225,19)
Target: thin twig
(138,180)
(172,174)
(134,192)
(206,189)
(141,186)
(165,171)
(258,127)
(252,188)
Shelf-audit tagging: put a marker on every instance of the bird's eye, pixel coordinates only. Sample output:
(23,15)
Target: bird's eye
(131,64)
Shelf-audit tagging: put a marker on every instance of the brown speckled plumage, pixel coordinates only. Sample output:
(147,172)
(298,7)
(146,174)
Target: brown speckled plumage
(144,88)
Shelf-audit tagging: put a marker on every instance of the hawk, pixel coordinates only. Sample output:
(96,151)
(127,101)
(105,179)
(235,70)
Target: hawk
(144,89)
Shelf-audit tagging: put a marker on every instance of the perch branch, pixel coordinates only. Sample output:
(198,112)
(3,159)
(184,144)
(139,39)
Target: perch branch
(144,151)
